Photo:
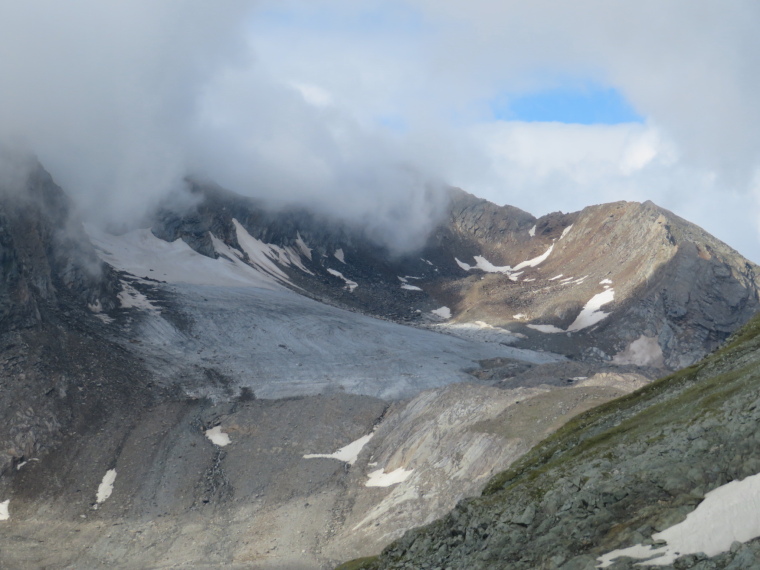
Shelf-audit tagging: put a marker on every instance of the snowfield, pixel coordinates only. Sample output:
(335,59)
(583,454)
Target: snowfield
(281,344)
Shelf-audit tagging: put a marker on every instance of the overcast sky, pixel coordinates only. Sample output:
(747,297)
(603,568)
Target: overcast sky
(367,107)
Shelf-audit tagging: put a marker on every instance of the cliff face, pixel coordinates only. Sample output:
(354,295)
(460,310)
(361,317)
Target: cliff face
(46,258)
(60,371)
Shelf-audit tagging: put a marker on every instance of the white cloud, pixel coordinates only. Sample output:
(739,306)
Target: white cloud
(366,108)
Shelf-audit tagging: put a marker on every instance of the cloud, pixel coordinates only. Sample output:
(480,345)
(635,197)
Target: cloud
(365,109)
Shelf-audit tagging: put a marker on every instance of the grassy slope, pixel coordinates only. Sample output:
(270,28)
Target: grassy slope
(610,477)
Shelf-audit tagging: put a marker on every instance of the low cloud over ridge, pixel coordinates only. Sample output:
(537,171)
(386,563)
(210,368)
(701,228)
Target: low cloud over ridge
(366,110)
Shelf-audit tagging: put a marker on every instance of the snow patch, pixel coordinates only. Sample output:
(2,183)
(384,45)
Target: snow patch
(350,285)
(590,314)
(348,453)
(142,254)
(410,287)
(556,277)
(545,328)
(532,231)
(512,272)
(566,231)
(426,261)
(605,282)
(262,256)
(536,260)
(443,312)
(131,298)
(339,255)
(106,486)
(218,437)
(4,510)
(380,478)
(727,514)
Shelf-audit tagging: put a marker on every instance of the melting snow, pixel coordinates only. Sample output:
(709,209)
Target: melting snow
(380,478)
(512,272)
(545,328)
(141,253)
(727,514)
(339,255)
(348,453)
(590,314)
(410,287)
(532,231)
(262,255)
(443,312)
(566,231)
(106,486)
(218,437)
(4,512)
(131,298)
(351,285)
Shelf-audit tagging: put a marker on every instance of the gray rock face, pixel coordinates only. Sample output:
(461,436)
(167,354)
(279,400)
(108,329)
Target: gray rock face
(45,255)
(58,373)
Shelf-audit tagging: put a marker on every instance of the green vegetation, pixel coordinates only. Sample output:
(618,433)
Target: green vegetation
(640,462)
(365,563)
(703,386)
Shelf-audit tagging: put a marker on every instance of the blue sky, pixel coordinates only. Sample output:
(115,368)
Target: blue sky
(591,104)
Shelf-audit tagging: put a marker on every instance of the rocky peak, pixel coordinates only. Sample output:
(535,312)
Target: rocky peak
(46,257)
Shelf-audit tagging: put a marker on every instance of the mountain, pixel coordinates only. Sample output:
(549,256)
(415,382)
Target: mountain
(672,292)
(254,387)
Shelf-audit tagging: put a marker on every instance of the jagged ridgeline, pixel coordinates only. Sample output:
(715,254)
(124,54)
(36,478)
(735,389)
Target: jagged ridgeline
(613,477)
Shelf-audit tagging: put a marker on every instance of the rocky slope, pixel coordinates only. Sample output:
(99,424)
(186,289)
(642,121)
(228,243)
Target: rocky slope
(179,397)
(59,373)
(615,476)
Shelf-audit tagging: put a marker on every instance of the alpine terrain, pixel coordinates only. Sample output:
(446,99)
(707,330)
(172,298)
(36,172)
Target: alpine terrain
(240,385)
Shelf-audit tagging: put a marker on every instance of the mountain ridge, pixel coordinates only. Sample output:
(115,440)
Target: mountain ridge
(208,369)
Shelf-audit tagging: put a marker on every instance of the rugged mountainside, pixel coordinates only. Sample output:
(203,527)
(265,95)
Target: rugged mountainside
(672,291)
(197,393)
(614,476)
(58,373)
